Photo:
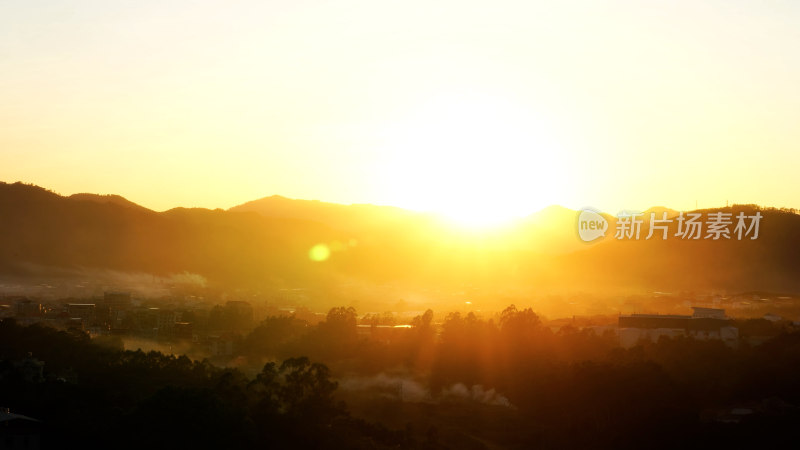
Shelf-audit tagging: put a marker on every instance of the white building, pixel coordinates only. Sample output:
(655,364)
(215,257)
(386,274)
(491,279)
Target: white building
(705,323)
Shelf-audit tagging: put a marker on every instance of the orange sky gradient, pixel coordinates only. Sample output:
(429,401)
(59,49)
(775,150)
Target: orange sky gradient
(479,110)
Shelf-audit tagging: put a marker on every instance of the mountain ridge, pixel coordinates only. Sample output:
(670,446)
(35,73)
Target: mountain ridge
(256,247)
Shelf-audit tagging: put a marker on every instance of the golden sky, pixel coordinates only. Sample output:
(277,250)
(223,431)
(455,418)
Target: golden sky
(491,108)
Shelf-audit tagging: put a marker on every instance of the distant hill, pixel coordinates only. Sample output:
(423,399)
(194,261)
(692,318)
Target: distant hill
(112,199)
(770,262)
(552,230)
(266,243)
(44,230)
(358,217)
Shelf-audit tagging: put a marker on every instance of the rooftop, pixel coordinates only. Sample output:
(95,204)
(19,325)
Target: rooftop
(6,415)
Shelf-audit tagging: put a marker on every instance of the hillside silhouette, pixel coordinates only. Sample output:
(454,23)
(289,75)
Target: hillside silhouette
(42,231)
(266,243)
(351,218)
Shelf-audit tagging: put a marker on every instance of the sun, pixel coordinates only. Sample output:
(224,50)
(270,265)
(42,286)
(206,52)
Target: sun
(479,161)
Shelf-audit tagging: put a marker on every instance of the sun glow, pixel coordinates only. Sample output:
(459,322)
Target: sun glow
(480,161)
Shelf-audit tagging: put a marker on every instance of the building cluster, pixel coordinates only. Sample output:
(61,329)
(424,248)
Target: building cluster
(704,324)
(18,431)
(216,329)
(117,313)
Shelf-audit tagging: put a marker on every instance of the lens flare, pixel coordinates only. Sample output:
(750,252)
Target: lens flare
(319,253)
